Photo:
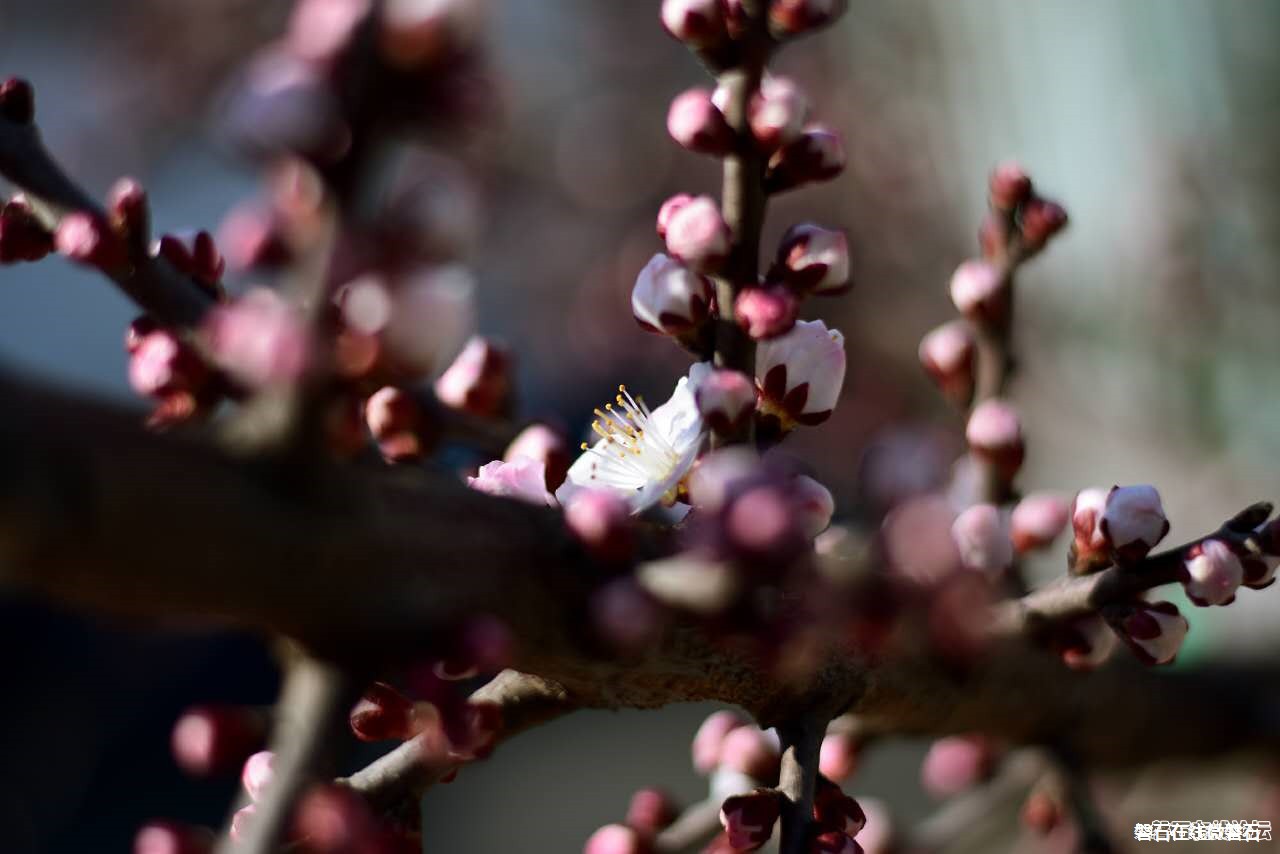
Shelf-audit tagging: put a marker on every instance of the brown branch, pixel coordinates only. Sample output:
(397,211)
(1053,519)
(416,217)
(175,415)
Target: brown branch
(798,779)
(695,827)
(965,811)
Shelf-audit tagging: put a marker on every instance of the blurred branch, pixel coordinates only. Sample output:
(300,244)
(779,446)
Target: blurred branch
(695,827)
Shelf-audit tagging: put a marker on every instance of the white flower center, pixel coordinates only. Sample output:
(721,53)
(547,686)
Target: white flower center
(632,452)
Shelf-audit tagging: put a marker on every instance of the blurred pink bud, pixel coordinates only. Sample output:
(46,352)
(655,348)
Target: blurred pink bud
(716,474)
(321,30)
(433,315)
(982,540)
(479,380)
(1009,186)
(800,374)
(522,478)
(954,764)
(399,426)
(1085,644)
(1041,813)
(751,751)
(130,216)
(708,742)
(695,22)
(22,237)
(86,239)
(366,304)
(816,155)
(601,520)
(650,811)
(417,33)
(762,526)
(260,339)
(834,842)
(240,822)
(1041,220)
(795,17)
(1154,631)
(838,758)
(670,298)
(162,365)
(814,503)
(834,809)
(625,615)
(776,113)
(209,740)
(251,238)
(615,839)
(698,125)
(1211,573)
(1089,549)
(257,773)
(726,400)
(540,443)
(980,292)
(1133,521)
(697,235)
(994,433)
(917,539)
(166,837)
(17,101)
(767,311)
(382,714)
(813,258)
(1037,521)
(749,819)
(336,820)
(668,210)
(947,354)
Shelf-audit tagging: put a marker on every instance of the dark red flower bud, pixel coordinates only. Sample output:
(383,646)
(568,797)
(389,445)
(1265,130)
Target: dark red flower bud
(22,237)
(17,101)
(382,714)
(817,155)
(1009,186)
(1041,219)
(749,819)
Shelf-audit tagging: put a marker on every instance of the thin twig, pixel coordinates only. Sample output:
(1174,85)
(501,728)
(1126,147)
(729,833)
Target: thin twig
(798,779)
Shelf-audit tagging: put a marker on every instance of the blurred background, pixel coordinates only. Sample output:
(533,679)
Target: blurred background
(1146,334)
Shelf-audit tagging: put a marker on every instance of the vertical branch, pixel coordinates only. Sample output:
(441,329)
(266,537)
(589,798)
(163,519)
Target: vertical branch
(798,779)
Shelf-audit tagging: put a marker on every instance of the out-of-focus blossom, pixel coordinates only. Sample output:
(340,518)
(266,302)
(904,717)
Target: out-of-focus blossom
(260,339)
(815,259)
(1037,520)
(521,478)
(982,539)
(947,354)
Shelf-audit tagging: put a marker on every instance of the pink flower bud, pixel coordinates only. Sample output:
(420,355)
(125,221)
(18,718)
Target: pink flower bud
(1085,644)
(17,101)
(170,838)
(86,239)
(22,237)
(708,742)
(750,751)
(814,504)
(1211,573)
(1154,631)
(650,811)
(257,773)
(980,292)
(251,238)
(834,842)
(1133,521)
(695,22)
(321,30)
(776,113)
(668,210)
(762,526)
(1089,548)
(994,433)
(982,539)
(834,809)
(698,125)
(795,17)
(479,380)
(162,365)
(815,259)
(397,424)
(130,216)
(209,740)
(523,479)
(1037,520)
(260,339)
(947,354)
(669,298)
(240,822)
(1041,220)
(800,374)
(726,400)
(1041,813)
(383,714)
(838,758)
(697,235)
(336,820)
(601,520)
(817,155)
(615,839)
(540,443)
(954,764)
(749,819)
(1009,186)
(766,312)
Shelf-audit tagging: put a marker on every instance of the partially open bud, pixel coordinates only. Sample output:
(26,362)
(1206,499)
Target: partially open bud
(1037,520)
(1089,548)
(1154,631)
(1041,220)
(1009,186)
(954,764)
(749,819)
(258,771)
(651,811)
(209,740)
(1211,573)
(708,741)
(767,311)
(601,520)
(947,354)
(815,259)
(397,424)
(260,339)
(982,540)
(699,23)
(522,478)
(795,17)
(383,714)
(669,298)
(86,239)
(615,839)
(834,809)
(800,375)
(980,292)
(838,758)
(813,503)
(776,113)
(726,400)
(668,210)
(698,125)
(697,235)
(1085,644)
(994,434)
(816,155)
(17,101)
(540,443)
(1133,522)
(479,380)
